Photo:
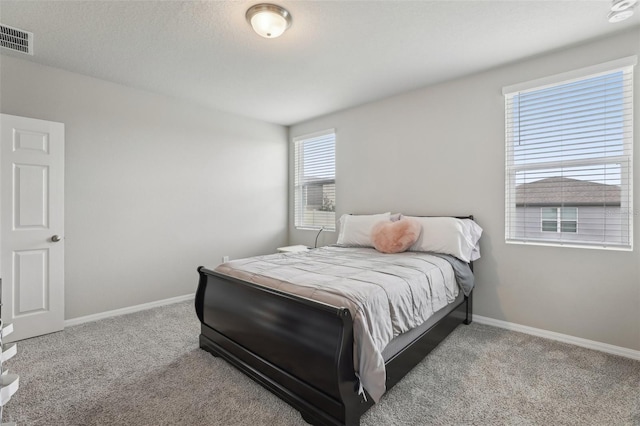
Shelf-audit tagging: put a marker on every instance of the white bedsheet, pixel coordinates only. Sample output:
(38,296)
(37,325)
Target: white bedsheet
(387,294)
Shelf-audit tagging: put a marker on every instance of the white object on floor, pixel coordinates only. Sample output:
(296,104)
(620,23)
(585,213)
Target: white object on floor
(8,386)
(291,249)
(8,352)
(7,330)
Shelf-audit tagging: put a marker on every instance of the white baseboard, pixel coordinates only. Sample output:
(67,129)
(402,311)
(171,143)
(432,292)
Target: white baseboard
(127,310)
(565,338)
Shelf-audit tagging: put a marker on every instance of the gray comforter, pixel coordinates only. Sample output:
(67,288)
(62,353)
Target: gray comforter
(387,294)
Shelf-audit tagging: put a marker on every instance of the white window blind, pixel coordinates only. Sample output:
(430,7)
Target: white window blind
(569,148)
(315,181)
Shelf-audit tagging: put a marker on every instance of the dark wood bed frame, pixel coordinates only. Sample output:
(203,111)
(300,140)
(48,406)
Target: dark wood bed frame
(300,349)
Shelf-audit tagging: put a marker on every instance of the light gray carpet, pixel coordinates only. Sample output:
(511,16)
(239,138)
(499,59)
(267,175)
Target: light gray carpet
(146,369)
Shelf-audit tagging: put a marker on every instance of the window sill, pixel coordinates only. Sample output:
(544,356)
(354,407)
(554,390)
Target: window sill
(570,245)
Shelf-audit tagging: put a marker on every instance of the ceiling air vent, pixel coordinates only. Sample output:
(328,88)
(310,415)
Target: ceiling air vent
(16,40)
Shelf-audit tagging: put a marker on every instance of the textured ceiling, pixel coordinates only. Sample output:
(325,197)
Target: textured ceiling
(337,54)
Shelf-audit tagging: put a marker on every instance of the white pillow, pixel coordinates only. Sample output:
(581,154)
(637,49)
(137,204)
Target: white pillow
(355,230)
(457,237)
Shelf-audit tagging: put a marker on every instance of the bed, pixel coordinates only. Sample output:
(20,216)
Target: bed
(306,348)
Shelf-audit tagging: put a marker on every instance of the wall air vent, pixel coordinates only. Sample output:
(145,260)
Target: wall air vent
(16,40)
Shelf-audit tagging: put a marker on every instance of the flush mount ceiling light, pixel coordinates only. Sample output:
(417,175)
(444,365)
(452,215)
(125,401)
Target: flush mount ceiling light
(619,16)
(268,20)
(619,5)
(621,10)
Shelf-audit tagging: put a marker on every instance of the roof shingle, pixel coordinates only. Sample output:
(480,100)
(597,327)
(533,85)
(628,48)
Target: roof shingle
(567,191)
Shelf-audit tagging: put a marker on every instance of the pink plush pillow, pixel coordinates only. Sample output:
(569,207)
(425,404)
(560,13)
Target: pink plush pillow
(395,237)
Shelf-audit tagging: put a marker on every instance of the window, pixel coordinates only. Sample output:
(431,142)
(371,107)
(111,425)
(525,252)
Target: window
(315,181)
(559,219)
(569,141)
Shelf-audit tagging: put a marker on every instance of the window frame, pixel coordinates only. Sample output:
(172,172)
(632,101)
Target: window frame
(300,188)
(625,65)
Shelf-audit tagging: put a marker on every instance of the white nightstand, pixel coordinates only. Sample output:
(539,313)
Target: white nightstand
(290,249)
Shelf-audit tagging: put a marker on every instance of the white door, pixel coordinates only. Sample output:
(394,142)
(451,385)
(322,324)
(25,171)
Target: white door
(32,225)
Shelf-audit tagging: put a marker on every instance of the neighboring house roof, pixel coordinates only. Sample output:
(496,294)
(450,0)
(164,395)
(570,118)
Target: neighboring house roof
(566,191)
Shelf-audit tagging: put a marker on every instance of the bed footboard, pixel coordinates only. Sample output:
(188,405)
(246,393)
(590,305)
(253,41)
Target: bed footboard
(266,333)
(300,349)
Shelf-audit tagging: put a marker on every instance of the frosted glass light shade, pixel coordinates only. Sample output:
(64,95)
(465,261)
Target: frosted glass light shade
(619,5)
(620,15)
(268,20)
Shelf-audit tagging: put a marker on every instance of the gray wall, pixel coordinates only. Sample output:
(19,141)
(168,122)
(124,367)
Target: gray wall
(440,150)
(154,186)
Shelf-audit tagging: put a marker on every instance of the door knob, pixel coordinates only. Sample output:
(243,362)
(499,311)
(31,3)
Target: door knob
(55,238)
